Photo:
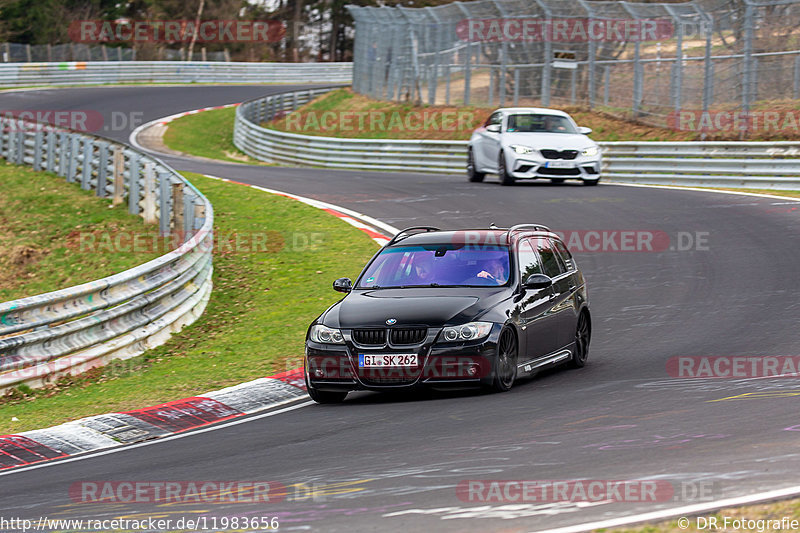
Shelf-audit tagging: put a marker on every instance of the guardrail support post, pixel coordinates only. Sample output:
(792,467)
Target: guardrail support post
(177,212)
(88,157)
(119,176)
(102,171)
(163,203)
(134,174)
(149,211)
(20,153)
(37,151)
(72,169)
(62,153)
(51,156)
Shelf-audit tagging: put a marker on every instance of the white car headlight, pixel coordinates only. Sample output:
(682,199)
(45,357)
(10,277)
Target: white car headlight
(592,150)
(325,335)
(519,149)
(467,332)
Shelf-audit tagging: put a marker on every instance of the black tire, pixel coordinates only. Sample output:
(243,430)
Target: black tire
(321,396)
(472,174)
(557,180)
(591,182)
(583,335)
(505,369)
(502,171)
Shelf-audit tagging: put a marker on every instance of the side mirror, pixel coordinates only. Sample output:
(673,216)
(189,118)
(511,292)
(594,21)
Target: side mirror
(537,281)
(493,128)
(343,285)
(584,130)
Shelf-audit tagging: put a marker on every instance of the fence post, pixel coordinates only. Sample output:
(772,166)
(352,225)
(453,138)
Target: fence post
(149,208)
(119,176)
(606,82)
(796,91)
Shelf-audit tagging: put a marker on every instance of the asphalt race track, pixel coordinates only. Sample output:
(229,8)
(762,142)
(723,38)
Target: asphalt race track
(392,463)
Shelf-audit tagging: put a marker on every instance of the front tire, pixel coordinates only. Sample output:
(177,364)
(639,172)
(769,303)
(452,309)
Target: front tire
(505,369)
(583,335)
(323,397)
(502,171)
(472,174)
(591,182)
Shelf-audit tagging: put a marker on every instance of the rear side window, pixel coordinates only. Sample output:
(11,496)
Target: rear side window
(564,253)
(551,262)
(529,262)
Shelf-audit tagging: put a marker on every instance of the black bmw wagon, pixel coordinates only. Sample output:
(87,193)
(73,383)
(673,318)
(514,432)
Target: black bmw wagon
(456,308)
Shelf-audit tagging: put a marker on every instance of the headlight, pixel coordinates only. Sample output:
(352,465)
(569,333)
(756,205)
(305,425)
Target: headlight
(592,150)
(468,332)
(519,149)
(325,335)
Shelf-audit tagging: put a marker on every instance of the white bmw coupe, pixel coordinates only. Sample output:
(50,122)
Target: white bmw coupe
(530,143)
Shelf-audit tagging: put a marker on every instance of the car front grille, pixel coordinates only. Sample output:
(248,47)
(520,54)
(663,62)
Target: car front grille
(367,337)
(407,336)
(559,171)
(556,154)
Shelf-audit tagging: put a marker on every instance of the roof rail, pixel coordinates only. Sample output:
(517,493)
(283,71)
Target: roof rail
(527,227)
(402,234)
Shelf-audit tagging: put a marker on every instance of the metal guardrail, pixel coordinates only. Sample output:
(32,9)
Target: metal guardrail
(117,317)
(104,72)
(766,165)
(331,152)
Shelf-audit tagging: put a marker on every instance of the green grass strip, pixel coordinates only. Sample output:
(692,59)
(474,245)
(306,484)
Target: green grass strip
(273,270)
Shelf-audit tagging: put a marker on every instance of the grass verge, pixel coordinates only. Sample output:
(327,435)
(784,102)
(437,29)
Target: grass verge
(254,324)
(53,234)
(207,134)
(343,113)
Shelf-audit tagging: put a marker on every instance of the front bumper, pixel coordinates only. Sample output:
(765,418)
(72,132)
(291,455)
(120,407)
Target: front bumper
(331,367)
(530,166)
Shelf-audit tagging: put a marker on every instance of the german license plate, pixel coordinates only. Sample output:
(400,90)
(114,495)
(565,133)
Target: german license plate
(383,360)
(559,164)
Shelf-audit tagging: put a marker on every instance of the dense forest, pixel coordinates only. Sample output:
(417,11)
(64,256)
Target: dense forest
(314,30)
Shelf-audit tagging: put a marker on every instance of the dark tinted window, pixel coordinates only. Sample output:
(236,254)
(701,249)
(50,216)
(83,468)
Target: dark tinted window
(551,262)
(529,262)
(564,253)
(530,122)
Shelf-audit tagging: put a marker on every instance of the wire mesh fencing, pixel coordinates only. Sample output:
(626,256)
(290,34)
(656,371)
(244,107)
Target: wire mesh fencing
(668,64)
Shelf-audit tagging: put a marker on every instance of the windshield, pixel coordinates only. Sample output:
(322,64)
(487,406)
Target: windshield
(438,265)
(534,123)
